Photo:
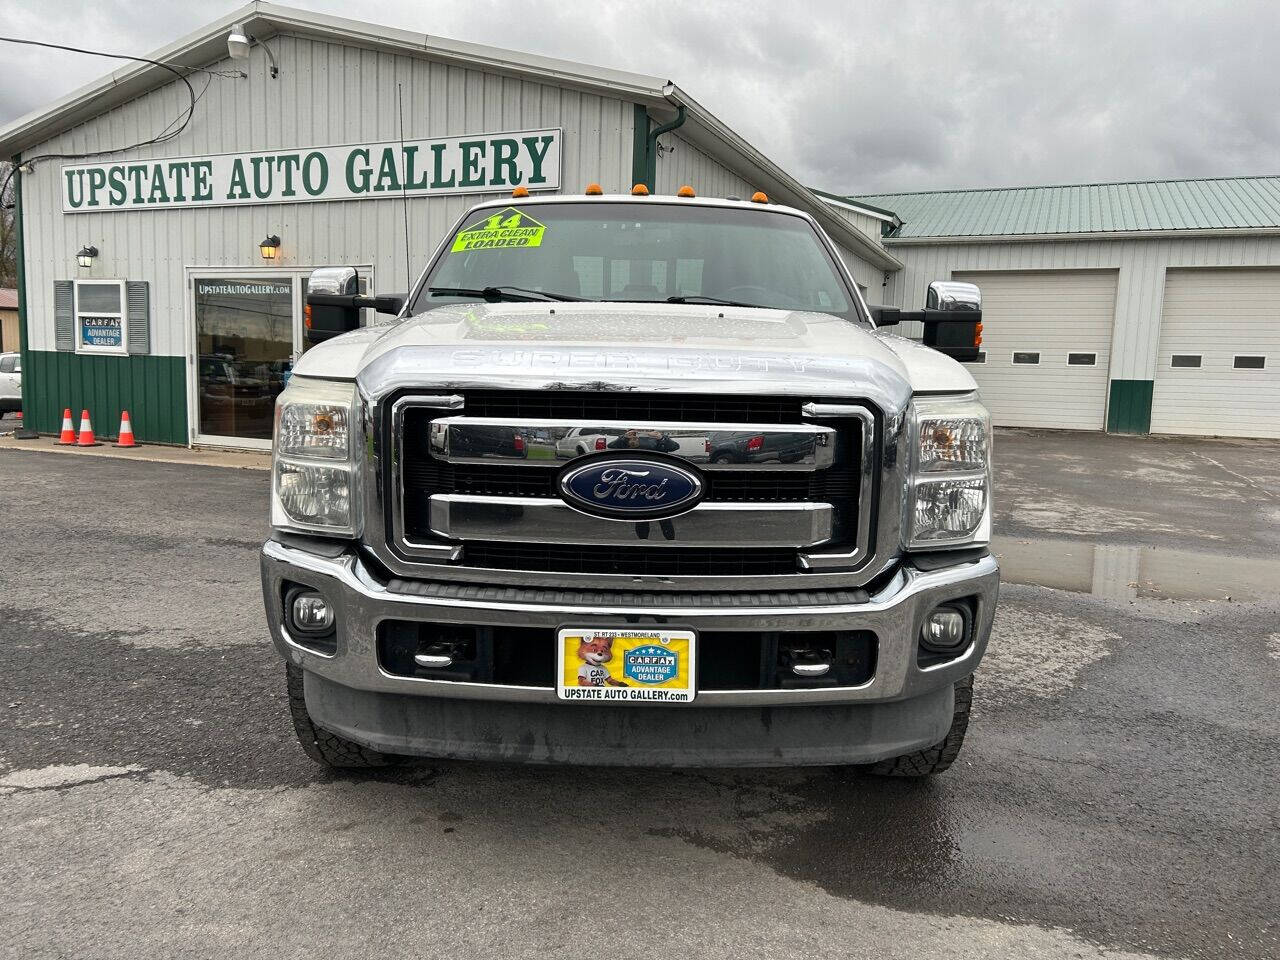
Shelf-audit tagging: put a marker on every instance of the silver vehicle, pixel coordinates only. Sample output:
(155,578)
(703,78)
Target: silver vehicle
(819,593)
(10,382)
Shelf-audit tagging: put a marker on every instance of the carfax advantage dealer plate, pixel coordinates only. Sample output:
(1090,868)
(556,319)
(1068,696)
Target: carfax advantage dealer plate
(625,666)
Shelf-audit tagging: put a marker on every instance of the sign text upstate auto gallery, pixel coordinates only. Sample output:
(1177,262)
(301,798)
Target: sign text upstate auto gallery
(472,164)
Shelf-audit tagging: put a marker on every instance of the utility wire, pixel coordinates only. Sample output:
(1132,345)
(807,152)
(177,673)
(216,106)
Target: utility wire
(166,134)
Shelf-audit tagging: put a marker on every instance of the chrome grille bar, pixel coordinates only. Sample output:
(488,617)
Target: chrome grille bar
(528,520)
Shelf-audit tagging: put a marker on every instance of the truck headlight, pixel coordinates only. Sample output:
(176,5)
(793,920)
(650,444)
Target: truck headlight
(313,458)
(950,502)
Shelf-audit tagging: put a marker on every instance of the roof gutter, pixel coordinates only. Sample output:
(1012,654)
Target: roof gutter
(1078,237)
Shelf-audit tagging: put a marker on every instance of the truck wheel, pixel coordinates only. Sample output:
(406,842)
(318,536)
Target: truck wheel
(941,755)
(321,745)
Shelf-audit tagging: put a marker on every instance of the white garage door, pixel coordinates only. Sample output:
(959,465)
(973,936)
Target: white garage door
(1218,370)
(1047,342)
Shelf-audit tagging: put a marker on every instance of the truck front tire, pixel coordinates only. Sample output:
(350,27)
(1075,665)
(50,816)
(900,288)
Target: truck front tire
(319,744)
(935,759)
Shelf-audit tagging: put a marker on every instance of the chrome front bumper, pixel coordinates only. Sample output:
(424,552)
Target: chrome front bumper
(360,600)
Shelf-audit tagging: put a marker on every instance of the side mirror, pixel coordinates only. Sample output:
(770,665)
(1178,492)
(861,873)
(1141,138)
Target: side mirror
(953,318)
(331,309)
(334,303)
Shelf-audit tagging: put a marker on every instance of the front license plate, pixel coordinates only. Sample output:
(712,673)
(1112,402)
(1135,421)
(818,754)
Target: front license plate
(625,666)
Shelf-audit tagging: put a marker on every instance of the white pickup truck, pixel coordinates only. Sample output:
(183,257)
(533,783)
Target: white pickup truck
(632,480)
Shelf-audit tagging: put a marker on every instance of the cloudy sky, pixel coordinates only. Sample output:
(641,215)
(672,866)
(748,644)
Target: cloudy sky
(853,96)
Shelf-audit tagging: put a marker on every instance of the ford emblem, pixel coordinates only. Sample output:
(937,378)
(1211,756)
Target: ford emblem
(630,487)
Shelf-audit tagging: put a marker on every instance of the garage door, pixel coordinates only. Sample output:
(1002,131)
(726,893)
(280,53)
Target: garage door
(1218,370)
(1046,341)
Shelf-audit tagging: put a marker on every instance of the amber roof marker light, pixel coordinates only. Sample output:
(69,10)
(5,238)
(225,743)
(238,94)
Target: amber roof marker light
(759,197)
(685,191)
(594,190)
(520,192)
(639,190)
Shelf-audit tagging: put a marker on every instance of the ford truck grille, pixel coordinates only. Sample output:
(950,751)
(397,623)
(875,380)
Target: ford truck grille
(482,478)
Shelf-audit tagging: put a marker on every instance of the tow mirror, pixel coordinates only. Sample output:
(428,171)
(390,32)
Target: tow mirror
(952,318)
(334,303)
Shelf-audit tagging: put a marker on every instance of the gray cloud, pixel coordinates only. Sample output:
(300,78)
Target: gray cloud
(873,96)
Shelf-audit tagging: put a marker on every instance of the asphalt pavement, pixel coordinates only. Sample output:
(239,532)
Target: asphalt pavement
(1117,795)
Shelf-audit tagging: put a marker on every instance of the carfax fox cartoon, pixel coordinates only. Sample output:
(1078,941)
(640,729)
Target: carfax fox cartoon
(594,652)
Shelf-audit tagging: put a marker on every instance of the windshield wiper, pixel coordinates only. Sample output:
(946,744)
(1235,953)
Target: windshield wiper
(699,298)
(505,292)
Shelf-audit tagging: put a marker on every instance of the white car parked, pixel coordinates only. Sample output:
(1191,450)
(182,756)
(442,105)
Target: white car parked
(10,382)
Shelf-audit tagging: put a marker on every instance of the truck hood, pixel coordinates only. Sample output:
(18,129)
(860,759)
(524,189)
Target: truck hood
(619,346)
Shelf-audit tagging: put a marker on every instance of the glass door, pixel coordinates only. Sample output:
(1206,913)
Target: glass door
(245,333)
(245,345)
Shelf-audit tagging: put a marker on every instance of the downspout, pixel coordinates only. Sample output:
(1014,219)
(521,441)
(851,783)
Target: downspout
(651,147)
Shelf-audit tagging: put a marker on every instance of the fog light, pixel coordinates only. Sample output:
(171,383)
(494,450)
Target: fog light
(943,630)
(312,613)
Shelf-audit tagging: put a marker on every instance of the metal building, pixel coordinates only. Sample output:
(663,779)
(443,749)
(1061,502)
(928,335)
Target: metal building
(1138,307)
(145,281)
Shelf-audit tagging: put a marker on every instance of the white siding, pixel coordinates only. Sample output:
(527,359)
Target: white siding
(868,276)
(865,223)
(682,163)
(1140,264)
(1050,314)
(1218,315)
(327,93)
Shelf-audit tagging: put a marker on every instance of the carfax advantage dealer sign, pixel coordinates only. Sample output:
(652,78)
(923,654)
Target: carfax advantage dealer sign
(472,164)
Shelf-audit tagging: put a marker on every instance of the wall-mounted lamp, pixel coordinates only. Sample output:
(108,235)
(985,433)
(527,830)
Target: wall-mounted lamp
(238,42)
(86,255)
(270,247)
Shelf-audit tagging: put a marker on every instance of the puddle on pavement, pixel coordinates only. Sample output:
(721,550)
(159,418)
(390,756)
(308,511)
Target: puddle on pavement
(1126,572)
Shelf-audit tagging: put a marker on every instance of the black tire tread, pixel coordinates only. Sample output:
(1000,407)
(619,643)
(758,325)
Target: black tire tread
(935,759)
(319,744)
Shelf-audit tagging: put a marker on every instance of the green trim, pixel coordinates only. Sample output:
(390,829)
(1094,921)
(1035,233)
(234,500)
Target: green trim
(22,269)
(1130,408)
(153,389)
(639,147)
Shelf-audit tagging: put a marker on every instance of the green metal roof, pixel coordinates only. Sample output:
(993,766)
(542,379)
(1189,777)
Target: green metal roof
(1228,203)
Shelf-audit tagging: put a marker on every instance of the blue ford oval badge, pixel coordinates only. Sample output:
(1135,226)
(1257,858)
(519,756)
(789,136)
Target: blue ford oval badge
(630,487)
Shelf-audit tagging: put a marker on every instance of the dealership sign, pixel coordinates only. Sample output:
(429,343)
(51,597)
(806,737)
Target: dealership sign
(472,164)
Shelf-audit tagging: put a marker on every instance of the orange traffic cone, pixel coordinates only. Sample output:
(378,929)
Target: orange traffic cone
(126,432)
(86,432)
(68,436)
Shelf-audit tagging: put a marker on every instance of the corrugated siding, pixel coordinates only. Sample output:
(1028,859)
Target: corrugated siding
(681,162)
(870,277)
(1218,315)
(1140,284)
(326,94)
(864,223)
(1051,314)
(1225,203)
(152,389)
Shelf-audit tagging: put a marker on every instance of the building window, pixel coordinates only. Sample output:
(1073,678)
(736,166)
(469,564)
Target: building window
(9,365)
(1025,357)
(102,326)
(1185,360)
(1250,363)
(1082,359)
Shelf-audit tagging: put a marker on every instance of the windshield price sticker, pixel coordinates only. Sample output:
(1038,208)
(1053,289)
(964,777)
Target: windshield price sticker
(504,230)
(649,666)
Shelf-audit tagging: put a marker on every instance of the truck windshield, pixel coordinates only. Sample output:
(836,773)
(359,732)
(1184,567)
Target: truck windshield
(646,252)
